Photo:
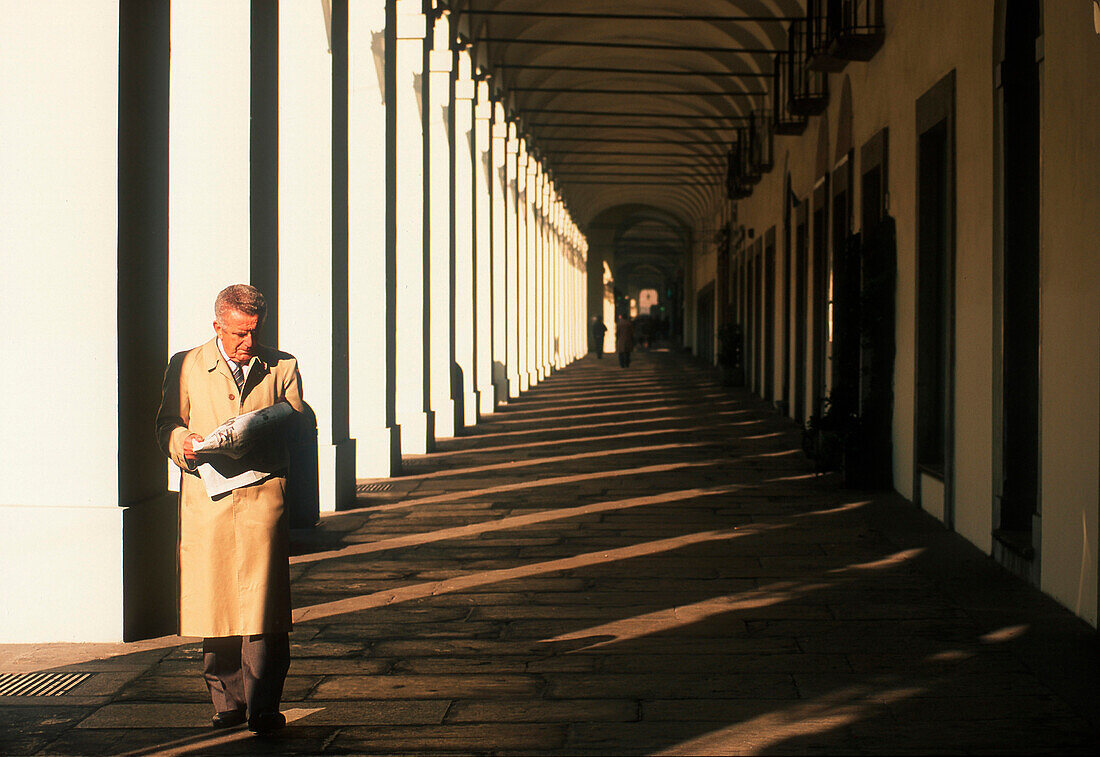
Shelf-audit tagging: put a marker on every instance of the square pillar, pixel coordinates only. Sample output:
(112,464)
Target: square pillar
(313,252)
(74,199)
(463,386)
(534,298)
(523,213)
(512,275)
(438,191)
(499,184)
(372,282)
(483,249)
(409,204)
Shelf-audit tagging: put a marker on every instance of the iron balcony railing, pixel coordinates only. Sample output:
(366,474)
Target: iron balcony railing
(842,31)
(807,89)
(784,120)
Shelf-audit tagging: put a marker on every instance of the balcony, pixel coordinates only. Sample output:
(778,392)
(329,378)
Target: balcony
(842,31)
(738,185)
(784,120)
(761,155)
(807,89)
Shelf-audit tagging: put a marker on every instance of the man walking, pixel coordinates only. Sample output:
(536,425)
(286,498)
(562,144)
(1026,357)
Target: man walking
(596,331)
(624,340)
(234,546)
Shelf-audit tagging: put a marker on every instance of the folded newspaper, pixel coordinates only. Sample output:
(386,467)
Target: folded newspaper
(222,469)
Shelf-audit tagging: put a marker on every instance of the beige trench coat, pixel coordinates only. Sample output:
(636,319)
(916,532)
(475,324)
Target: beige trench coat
(233,551)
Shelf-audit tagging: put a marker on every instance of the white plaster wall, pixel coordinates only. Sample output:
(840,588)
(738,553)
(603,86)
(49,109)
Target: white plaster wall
(1070,317)
(884,94)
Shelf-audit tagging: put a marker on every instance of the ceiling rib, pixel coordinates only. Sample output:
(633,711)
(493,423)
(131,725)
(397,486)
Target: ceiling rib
(589,15)
(636,92)
(677,116)
(641,71)
(627,45)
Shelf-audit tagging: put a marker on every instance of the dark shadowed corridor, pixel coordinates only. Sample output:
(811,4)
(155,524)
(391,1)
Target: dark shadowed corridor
(628,561)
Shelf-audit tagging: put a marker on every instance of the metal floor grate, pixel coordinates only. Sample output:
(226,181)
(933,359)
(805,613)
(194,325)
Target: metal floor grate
(39,684)
(364,488)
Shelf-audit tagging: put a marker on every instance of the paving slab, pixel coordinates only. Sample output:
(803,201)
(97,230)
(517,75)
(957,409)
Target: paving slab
(628,561)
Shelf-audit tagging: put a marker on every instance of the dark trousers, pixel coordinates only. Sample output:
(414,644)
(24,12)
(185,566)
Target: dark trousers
(246,672)
(624,359)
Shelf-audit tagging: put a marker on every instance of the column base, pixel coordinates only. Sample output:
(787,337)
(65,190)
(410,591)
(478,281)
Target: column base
(61,574)
(524,382)
(446,424)
(335,477)
(486,400)
(378,454)
(514,386)
(469,408)
(533,378)
(417,432)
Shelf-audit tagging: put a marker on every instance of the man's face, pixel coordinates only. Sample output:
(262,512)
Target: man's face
(238,335)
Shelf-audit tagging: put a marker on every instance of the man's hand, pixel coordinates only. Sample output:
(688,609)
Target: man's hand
(189,453)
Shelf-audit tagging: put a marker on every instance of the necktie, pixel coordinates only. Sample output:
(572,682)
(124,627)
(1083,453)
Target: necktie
(238,376)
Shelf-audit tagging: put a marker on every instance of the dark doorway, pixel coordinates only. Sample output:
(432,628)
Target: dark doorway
(878,289)
(704,324)
(750,320)
(844,320)
(936,285)
(788,275)
(801,293)
(1019,270)
(820,294)
(769,314)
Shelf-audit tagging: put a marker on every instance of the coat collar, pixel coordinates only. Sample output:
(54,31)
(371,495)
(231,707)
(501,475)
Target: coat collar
(212,358)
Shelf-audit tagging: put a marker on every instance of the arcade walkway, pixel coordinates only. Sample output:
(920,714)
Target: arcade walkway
(621,562)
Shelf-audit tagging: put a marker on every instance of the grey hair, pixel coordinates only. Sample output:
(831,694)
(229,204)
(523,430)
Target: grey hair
(242,298)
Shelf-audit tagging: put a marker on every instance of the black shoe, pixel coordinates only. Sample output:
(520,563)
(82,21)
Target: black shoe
(266,722)
(228,718)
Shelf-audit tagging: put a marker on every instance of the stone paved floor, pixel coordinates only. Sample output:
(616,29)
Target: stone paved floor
(622,562)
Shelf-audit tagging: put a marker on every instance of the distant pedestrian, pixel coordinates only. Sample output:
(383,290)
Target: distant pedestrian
(596,333)
(624,340)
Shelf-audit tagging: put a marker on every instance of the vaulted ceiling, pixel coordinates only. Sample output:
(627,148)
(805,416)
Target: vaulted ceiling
(631,103)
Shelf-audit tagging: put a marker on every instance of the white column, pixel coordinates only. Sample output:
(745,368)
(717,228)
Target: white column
(499,184)
(417,432)
(523,234)
(544,277)
(371,271)
(311,262)
(483,248)
(512,213)
(463,232)
(557,343)
(438,104)
(61,544)
(534,297)
(209,100)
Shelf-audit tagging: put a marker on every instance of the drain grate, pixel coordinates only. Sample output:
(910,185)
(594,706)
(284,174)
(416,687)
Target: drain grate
(39,684)
(364,488)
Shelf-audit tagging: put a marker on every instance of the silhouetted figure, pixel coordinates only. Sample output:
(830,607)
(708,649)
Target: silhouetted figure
(624,340)
(596,330)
